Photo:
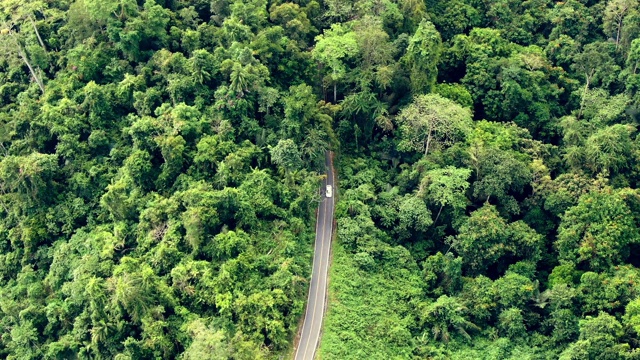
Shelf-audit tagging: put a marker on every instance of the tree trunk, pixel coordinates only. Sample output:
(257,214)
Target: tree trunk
(618,34)
(335,87)
(23,55)
(426,147)
(35,28)
(320,83)
(438,216)
(584,93)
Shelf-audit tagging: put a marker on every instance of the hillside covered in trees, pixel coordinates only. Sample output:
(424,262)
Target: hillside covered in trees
(160,163)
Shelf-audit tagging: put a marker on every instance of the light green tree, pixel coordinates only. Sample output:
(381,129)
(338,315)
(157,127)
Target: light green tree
(446,187)
(444,315)
(333,48)
(511,323)
(287,155)
(206,344)
(633,60)
(432,121)
(596,64)
(614,15)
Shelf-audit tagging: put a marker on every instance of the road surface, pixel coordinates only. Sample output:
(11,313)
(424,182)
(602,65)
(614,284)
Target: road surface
(310,336)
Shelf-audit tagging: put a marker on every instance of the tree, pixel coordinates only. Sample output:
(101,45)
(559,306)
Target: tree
(29,175)
(598,339)
(376,53)
(481,239)
(294,20)
(600,108)
(519,21)
(608,291)
(499,174)
(527,92)
(480,53)
(443,274)
(633,59)
(564,191)
(573,19)
(338,11)
(455,92)
(614,15)
(413,214)
(443,316)
(595,64)
(200,217)
(203,65)
(11,43)
(422,57)
(454,17)
(23,11)
(207,344)
(432,121)
(287,155)
(484,238)
(333,48)
(632,315)
(23,339)
(609,149)
(596,233)
(302,116)
(511,323)
(446,187)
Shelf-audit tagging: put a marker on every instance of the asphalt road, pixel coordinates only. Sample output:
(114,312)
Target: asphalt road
(311,329)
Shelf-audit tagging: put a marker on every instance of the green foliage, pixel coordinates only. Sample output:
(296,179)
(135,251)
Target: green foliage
(160,164)
(432,121)
(515,127)
(365,313)
(511,323)
(287,155)
(146,220)
(485,237)
(598,230)
(422,56)
(597,339)
(444,315)
(443,273)
(455,92)
(332,48)
(446,186)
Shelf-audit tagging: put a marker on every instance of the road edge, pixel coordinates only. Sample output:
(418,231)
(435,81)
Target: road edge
(334,236)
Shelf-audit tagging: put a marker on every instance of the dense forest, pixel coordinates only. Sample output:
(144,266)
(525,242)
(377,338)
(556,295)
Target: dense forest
(160,163)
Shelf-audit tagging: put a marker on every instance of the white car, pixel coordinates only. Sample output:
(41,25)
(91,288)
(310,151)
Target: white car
(329,192)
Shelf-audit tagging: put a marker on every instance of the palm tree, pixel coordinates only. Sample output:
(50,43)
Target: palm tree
(444,315)
(239,75)
(131,291)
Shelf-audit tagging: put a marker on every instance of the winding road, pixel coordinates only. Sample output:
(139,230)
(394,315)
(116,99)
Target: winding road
(311,329)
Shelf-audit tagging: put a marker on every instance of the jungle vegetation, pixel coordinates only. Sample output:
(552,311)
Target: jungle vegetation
(160,163)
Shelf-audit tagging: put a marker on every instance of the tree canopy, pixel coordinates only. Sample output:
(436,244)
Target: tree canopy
(160,164)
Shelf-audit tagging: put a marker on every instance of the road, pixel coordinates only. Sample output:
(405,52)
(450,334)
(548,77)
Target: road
(311,329)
